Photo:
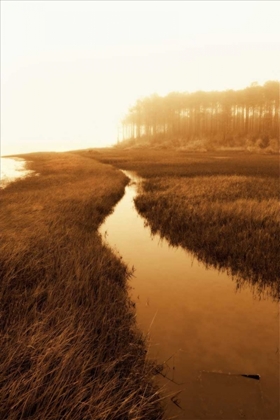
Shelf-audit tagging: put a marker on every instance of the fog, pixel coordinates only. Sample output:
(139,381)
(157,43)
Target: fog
(70,70)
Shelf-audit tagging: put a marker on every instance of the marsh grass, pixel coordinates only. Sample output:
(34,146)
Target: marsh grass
(70,348)
(223,207)
(226,221)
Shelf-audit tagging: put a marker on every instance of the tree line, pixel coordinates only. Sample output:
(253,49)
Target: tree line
(228,118)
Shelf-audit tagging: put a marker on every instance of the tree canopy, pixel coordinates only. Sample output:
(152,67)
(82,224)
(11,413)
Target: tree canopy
(225,118)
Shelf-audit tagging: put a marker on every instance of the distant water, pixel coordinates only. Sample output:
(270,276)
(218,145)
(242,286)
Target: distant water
(12,169)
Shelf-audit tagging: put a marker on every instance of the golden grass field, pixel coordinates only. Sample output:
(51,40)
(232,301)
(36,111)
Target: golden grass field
(70,348)
(222,206)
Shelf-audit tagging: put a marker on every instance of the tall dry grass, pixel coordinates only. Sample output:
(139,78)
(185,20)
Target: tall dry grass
(228,222)
(224,207)
(70,348)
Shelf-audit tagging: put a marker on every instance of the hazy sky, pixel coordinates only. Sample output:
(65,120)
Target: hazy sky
(71,69)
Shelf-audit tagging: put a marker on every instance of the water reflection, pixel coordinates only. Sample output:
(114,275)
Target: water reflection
(198,325)
(11,169)
(261,287)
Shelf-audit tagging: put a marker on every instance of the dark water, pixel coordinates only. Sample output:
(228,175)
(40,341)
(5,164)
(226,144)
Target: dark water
(204,331)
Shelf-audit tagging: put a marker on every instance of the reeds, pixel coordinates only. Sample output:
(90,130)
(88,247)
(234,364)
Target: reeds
(221,206)
(70,348)
(221,222)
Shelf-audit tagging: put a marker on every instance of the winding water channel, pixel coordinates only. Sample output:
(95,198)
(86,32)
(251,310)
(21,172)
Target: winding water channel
(205,331)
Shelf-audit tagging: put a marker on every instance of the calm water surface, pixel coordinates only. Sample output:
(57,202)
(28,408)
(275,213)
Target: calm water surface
(11,169)
(198,325)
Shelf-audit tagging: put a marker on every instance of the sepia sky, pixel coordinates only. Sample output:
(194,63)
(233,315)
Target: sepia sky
(71,69)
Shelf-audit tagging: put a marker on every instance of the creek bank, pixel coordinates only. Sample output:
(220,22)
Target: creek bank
(198,321)
(69,341)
